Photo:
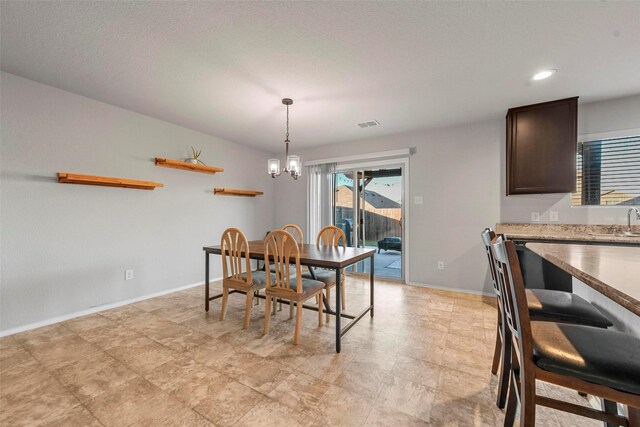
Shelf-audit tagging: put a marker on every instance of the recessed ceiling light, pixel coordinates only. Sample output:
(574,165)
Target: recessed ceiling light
(543,74)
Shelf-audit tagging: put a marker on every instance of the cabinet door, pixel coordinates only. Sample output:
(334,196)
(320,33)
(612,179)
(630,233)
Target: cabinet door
(541,147)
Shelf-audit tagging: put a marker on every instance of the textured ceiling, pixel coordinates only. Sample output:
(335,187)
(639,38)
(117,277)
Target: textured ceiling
(223,67)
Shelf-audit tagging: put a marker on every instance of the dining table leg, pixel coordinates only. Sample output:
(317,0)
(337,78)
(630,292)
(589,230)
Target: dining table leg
(338,309)
(206,281)
(371,263)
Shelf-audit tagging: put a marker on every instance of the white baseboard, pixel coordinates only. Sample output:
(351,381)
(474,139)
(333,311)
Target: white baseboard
(447,288)
(98,308)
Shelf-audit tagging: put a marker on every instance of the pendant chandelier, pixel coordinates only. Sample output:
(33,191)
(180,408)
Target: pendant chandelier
(293,164)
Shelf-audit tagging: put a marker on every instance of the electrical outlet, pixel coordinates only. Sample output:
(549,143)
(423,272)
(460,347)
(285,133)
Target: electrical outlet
(128,274)
(535,216)
(553,216)
(418,200)
(440,265)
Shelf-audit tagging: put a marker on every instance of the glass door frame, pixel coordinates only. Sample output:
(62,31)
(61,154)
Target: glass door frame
(403,164)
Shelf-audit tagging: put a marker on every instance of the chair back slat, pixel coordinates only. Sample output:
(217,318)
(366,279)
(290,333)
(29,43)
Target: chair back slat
(487,237)
(331,236)
(282,246)
(295,231)
(233,244)
(515,298)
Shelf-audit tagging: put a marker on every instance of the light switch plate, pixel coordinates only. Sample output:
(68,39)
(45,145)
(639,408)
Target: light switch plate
(418,200)
(535,216)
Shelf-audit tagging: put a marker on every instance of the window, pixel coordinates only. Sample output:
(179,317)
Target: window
(608,172)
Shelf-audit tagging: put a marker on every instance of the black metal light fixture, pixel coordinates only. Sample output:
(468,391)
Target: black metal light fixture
(293,164)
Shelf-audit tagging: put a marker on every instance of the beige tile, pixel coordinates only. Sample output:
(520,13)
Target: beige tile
(38,399)
(90,377)
(106,337)
(454,410)
(270,413)
(361,378)
(43,335)
(121,313)
(342,407)
(325,366)
(229,404)
(63,351)
(141,354)
(299,391)
(265,377)
(384,417)
(76,417)
(135,402)
(188,381)
(210,324)
(236,363)
(87,323)
(408,397)
(416,370)
(185,341)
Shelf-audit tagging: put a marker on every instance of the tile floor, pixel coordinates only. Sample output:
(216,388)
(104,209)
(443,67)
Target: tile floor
(423,360)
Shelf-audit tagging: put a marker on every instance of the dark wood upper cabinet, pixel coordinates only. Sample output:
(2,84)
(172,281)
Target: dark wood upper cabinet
(541,147)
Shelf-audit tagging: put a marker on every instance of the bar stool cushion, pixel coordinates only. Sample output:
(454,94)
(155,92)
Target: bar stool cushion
(599,356)
(560,306)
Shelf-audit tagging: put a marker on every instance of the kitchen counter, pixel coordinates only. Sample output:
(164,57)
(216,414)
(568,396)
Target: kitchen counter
(611,234)
(614,271)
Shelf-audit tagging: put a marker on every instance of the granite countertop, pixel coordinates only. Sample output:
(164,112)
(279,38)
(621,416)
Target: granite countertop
(570,232)
(613,271)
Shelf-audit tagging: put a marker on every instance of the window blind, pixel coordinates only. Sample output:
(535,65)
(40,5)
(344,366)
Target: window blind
(608,172)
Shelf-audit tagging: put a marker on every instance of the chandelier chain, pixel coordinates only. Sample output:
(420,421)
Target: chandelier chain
(287,137)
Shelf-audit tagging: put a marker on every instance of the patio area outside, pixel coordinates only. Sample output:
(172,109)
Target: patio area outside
(386,264)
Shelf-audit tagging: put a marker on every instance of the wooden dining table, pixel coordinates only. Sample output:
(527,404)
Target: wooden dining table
(312,256)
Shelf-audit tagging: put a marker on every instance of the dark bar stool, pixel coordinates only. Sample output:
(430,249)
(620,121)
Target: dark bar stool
(591,360)
(543,305)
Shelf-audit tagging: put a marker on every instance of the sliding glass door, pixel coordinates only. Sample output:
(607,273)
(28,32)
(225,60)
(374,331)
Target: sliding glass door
(369,207)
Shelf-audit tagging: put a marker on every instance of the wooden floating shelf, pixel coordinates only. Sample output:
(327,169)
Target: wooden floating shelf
(177,164)
(105,181)
(236,192)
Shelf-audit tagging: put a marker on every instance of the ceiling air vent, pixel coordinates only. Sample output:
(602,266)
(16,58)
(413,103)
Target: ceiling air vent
(369,124)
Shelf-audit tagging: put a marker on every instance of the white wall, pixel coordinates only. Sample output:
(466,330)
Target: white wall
(65,247)
(460,172)
(456,171)
(600,117)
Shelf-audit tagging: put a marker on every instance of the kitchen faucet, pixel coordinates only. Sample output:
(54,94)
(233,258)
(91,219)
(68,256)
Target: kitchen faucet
(629,218)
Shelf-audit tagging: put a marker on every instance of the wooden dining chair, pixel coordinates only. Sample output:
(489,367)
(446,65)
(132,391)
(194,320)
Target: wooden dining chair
(295,231)
(330,236)
(235,255)
(287,283)
(543,304)
(597,361)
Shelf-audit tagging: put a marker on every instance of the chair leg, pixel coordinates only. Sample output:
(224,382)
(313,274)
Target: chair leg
(247,310)
(267,314)
(275,304)
(319,299)
(634,416)
(512,403)
(328,302)
(290,310)
(496,351)
(505,371)
(225,297)
(610,408)
(296,336)
(527,402)
(344,305)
